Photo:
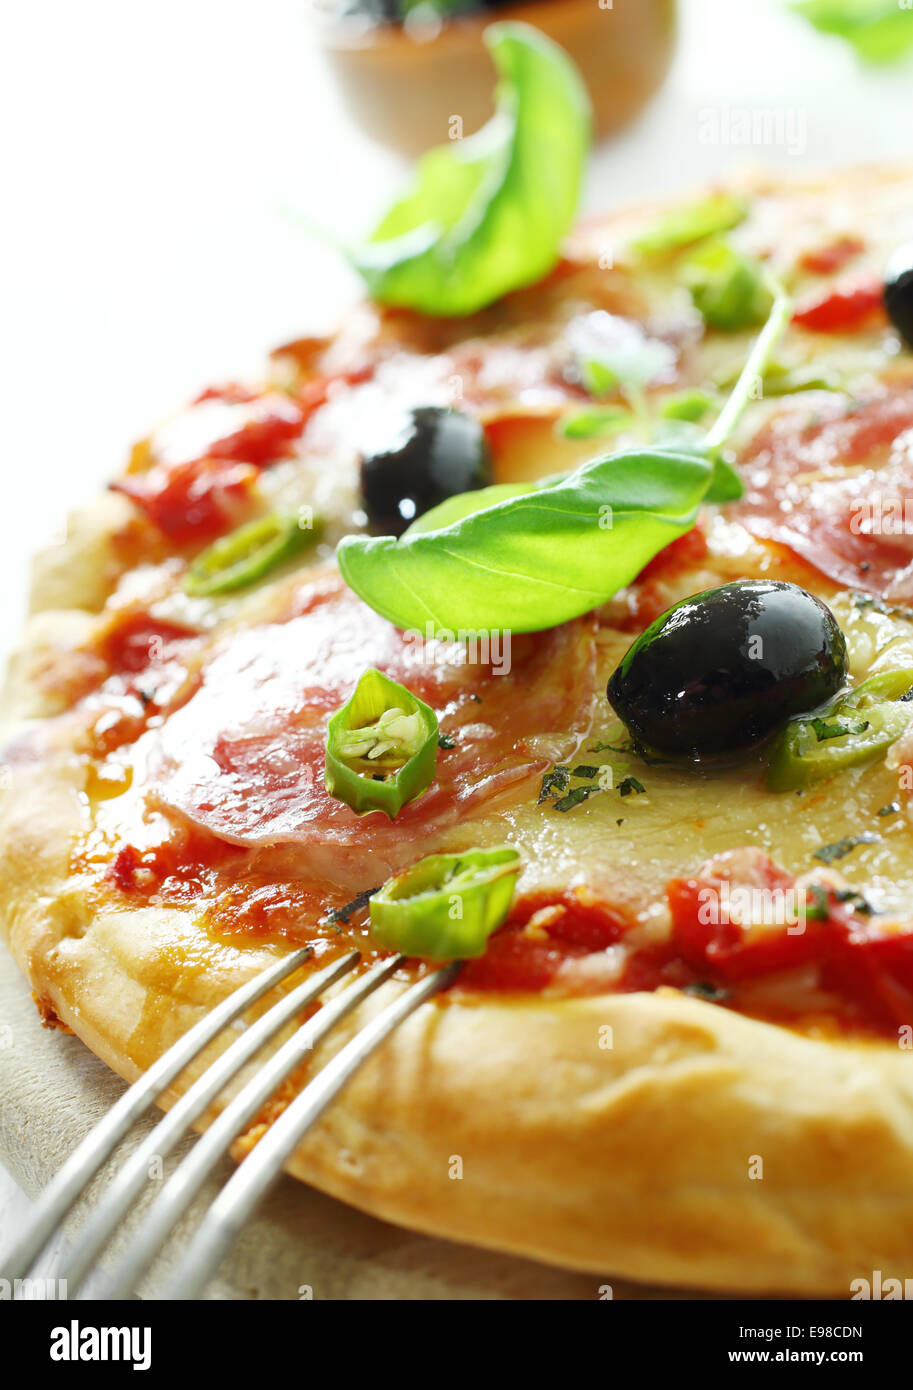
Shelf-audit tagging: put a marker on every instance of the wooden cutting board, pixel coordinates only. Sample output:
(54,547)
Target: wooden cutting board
(300,1243)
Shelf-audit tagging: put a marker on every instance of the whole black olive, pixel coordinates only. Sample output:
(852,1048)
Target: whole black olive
(433,453)
(725,668)
(898,291)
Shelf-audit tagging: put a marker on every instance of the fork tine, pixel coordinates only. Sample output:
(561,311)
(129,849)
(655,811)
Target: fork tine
(130,1178)
(68,1184)
(187,1179)
(262,1167)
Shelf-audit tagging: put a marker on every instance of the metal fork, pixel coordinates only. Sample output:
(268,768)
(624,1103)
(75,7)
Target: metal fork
(262,1166)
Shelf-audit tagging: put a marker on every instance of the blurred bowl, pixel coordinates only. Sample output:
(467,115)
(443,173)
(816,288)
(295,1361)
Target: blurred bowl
(409,83)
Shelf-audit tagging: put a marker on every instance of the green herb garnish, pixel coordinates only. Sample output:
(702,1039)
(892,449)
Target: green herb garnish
(487,214)
(554,782)
(820,909)
(827,854)
(822,730)
(854,900)
(342,914)
(703,989)
(629,785)
(575,797)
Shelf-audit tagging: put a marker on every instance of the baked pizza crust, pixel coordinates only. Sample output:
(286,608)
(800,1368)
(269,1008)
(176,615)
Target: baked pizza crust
(651,1136)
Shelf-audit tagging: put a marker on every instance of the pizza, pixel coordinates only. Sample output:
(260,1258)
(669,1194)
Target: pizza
(679,1049)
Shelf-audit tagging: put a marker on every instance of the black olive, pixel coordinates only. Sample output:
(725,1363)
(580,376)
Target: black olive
(898,291)
(727,667)
(432,454)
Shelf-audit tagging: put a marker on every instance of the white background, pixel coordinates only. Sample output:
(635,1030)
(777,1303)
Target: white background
(154,158)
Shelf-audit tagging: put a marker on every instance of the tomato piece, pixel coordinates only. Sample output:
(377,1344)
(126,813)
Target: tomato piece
(136,640)
(832,256)
(874,968)
(707,917)
(841,308)
(869,968)
(195,501)
(265,436)
(527,955)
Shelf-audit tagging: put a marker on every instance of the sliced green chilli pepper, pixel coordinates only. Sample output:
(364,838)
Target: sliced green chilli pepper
(446,906)
(381,747)
(727,287)
(248,553)
(852,730)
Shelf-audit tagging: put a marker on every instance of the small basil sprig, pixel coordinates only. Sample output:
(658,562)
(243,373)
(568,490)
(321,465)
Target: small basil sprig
(486,215)
(728,287)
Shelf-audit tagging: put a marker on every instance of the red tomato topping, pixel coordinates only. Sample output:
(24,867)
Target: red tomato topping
(718,920)
(193,502)
(841,308)
(743,917)
(542,932)
(181,869)
(832,256)
(204,463)
(136,641)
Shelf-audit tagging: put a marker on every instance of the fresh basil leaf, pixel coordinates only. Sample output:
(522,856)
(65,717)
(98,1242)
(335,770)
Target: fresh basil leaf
(880,30)
(598,421)
(684,226)
(487,214)
(725,485)
(727,287)
(461,504)
(681,437)
(531,561)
